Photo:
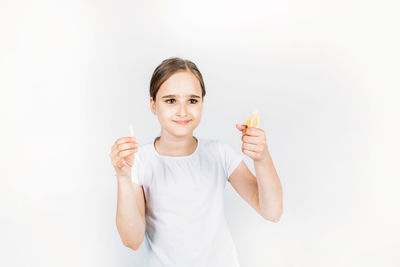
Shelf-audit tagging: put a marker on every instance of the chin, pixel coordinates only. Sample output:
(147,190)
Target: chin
(182,132)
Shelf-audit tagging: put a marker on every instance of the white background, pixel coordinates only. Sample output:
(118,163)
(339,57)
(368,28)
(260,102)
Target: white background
(323,74)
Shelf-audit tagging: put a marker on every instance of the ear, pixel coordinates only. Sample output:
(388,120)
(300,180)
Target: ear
(152,106)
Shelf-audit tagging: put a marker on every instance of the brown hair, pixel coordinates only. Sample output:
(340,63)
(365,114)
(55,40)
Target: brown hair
(170,66)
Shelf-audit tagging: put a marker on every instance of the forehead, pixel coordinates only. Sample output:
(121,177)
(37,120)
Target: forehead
(181,83)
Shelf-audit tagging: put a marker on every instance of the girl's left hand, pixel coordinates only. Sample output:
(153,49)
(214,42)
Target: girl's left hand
(254,142)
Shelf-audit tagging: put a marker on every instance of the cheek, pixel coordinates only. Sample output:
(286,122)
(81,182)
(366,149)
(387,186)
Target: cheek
(197,110)
(166,116)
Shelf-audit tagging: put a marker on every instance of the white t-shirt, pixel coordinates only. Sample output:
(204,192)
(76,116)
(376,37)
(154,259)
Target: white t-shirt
(184,195)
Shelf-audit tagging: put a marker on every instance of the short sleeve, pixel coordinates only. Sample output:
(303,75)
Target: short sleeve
(230,158)
(137,169)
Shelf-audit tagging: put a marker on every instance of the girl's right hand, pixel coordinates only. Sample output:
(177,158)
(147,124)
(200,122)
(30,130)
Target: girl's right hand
(122,155)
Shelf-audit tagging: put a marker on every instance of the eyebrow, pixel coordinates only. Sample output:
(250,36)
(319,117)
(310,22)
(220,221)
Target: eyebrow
(192,96)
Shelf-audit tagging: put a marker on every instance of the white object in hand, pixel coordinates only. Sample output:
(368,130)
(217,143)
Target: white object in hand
(131,130)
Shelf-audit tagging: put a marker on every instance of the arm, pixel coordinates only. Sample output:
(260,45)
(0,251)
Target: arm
(130,218)
(263,192)
(269,189)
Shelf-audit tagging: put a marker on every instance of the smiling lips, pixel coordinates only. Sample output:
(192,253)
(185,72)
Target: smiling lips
(182,122)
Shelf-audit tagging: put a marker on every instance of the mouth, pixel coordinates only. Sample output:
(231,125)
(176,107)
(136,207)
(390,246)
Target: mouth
(182,122)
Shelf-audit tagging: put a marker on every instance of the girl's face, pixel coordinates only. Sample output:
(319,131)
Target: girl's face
(179,104)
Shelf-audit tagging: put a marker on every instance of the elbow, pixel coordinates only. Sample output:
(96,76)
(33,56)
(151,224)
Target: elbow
(133,246)
(273,218)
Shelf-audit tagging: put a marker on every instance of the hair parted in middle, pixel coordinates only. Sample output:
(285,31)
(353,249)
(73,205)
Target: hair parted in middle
(170,66)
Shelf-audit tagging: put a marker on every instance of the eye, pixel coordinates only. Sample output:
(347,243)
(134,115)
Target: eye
(195,101)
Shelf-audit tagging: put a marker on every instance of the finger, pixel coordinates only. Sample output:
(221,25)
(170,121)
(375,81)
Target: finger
(129,159)
(124,163)
(122,156)
(125,139)
(118,155)
(114,153)
(122,147)
(121,163)
(122,140)
(252,131)
(127,152)
(128,145)
(241,127)
(117,144)
(250,139)
(117,164)
(244,130)
(115,161)
(252,147)
(249,153)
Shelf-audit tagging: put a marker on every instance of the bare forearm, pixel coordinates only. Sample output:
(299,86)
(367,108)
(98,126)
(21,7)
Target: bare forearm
(269,189)
(130,223)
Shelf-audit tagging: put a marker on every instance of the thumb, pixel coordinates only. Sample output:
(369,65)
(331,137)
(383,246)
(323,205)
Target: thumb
(240,127)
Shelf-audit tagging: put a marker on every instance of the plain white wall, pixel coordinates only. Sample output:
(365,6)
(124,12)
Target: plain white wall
(324,76)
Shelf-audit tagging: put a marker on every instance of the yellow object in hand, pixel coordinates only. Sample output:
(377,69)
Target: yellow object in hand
(131,130)
(254,120)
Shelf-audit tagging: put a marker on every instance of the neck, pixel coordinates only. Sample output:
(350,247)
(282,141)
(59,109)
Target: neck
(169,145)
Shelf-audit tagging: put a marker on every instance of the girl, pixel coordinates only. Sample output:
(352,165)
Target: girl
(171,189)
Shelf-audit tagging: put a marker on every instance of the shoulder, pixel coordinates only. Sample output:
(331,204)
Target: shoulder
(224,153)
(211,144)
(215,143)
(228,151)
(140,163)
(219,145)
(216,147)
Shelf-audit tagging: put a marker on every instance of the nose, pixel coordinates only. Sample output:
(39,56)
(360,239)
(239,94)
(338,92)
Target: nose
(182,110)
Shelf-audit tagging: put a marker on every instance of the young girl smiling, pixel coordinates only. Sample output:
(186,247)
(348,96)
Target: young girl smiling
(171,189)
